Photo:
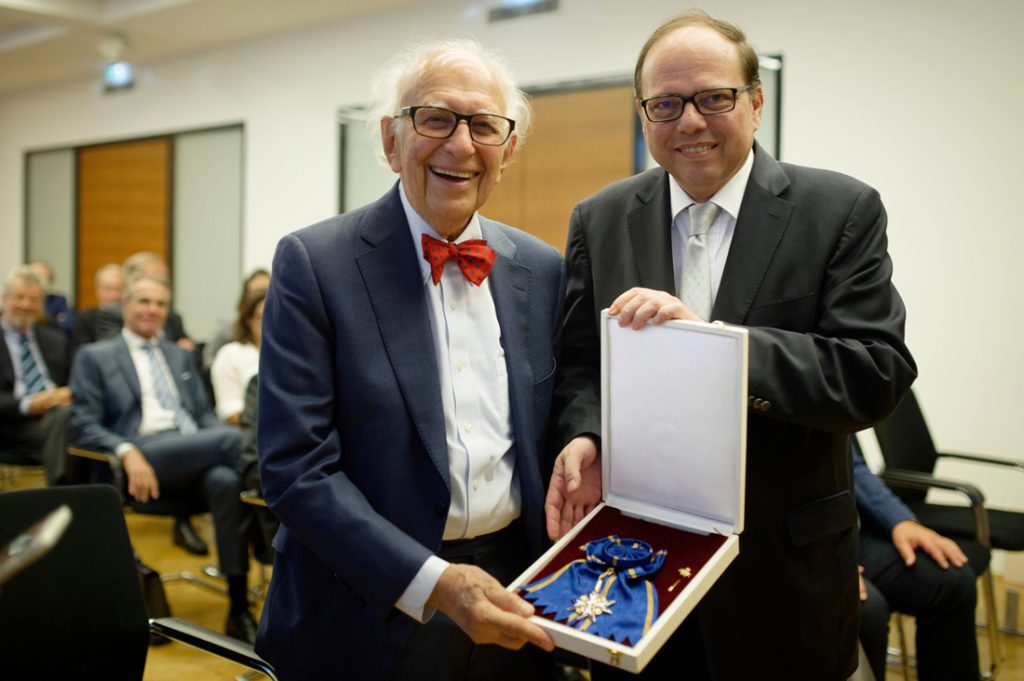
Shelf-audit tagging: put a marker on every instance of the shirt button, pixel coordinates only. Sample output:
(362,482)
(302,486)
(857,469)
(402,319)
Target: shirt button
(476,484)
(459,366)
(453,305)
(469,428)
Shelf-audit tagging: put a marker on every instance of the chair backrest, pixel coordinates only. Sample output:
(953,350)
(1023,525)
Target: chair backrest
(79,609)
(904,438)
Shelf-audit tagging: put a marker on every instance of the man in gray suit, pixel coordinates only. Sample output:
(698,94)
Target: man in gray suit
(142,398)
(406,371)
(722,232)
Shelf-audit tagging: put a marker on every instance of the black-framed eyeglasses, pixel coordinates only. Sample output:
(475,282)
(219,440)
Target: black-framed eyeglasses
(719,100)
(434,121)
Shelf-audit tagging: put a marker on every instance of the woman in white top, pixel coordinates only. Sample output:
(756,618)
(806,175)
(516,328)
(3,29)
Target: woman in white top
(238,361)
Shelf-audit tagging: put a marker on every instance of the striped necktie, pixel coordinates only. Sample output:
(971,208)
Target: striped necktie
(186,424)
(30,374)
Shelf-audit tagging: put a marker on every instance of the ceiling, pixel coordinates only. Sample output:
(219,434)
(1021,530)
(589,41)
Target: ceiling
(48,41)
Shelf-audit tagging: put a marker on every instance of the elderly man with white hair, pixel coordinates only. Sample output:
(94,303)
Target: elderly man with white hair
(405,383)
(34,366)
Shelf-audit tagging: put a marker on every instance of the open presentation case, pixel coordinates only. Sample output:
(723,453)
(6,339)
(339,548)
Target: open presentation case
(673,441)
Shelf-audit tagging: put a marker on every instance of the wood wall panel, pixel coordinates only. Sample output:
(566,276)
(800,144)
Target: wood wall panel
(123,206)
(581,141)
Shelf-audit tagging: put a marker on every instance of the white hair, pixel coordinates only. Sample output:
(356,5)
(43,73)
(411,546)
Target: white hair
(26,275)
(399,76)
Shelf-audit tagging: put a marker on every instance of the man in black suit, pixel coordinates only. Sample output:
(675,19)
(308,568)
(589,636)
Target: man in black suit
(34,396)
(797,256)
(142,398)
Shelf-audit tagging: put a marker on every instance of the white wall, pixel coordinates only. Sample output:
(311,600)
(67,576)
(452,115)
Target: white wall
(917,98)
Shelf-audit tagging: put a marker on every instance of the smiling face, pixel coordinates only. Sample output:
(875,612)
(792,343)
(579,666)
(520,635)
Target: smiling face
(146,310)
(23,304)
(701,152)
(447,180)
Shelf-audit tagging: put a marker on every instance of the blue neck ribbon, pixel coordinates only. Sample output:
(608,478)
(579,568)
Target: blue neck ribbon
(607,593)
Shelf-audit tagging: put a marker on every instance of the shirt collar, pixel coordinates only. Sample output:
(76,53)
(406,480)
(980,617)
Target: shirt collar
(135,341)
(728,198)
(14,333)
(418,226)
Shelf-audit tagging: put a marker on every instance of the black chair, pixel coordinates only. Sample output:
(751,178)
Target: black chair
(80,608)
(910,458)
(105,468)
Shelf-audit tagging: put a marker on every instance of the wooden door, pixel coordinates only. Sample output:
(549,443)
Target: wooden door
(581,141)
(123,206)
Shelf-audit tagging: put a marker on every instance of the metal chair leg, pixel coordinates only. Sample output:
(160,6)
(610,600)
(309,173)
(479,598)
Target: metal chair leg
(904,650)
(992,623)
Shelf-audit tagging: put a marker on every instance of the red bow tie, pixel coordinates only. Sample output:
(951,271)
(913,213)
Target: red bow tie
(475,257)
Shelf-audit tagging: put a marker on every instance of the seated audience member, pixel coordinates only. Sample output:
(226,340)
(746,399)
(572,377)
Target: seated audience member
(237,362)
(56,310)
(34,397)
(914,570)
(257,279)
(153,264)
(104,320)
(141,398)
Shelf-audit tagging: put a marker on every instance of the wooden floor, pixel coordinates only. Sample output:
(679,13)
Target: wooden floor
(151,537)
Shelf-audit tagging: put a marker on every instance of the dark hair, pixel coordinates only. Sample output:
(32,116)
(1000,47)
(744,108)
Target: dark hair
(696,17)
(241,332)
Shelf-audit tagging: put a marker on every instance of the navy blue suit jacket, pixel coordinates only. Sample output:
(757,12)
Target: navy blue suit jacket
(352,447)
(107,400)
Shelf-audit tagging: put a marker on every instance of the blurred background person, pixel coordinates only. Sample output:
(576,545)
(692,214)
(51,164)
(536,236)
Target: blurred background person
(237,362)
(56,310)
(257,279)
(104,320)
(34,365)
(153,264)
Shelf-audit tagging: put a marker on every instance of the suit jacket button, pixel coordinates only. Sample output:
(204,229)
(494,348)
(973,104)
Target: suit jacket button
(441,508)
(766,405)
(756,403)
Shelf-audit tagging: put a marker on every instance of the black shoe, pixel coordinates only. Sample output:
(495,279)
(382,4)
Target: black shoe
(242,626)
(185,536)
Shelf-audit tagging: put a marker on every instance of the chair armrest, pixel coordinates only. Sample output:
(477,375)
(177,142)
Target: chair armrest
(252,497)
(915,480)
(108,458)
(211,642)
(1011,463)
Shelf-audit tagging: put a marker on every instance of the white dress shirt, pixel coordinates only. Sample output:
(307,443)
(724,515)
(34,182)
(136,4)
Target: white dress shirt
(474,395)
(728,198)
(232,369)
(155,418)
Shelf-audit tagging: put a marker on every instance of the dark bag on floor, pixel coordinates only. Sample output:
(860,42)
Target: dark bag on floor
(153,591)
(153,594)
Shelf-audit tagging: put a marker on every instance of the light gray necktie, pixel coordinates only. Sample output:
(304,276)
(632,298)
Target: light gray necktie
(695,289)
(186,424)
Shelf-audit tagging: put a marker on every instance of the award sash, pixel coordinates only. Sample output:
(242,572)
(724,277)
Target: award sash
(607,593)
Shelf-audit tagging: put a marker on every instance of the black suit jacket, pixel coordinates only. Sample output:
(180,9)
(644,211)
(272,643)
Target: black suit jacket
(54,347)
(809,275)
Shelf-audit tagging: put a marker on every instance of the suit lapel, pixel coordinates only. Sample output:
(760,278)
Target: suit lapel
(123,359)
(650,237)
(510,288)
(394,283)
(179,370)
(763,220)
